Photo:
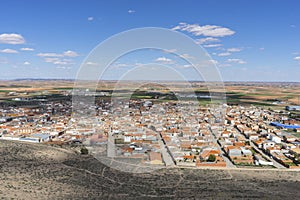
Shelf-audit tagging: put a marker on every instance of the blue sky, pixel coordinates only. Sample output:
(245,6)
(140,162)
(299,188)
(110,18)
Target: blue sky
(249,40)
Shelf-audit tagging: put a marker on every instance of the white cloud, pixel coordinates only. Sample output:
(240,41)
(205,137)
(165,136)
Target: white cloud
(26,63)
(49,55)
(207,40)
(297,58)
(206,30)
(215,62)
(120,65)
(234,49)
(8,51)
(187,66)
(59,61)
(11,38)
(212,45)
(70,54)
(90,18)
(27,49)
(225,65)
(170,50)
(91,63)
(51,60)
(224,54)
(131,11)
(262,48)
(186,56)
(64,54)
(164,60)
(236,60)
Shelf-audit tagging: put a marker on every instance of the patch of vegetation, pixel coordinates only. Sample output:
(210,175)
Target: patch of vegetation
(211,158)
(296,135)
(84,151)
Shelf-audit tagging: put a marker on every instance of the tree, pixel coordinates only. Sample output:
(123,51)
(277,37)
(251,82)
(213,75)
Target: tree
(84,151)
(211,158)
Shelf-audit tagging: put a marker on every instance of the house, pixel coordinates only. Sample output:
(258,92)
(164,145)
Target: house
(293,108)
(259,160)
(234,151)
(253,136)
(267,144)
(246,152)
(275,139)
(41,137)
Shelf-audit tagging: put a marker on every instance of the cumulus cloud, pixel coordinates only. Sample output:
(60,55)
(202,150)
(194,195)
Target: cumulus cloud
(215,62)
(27,49)
(187,66)
(90,18)
(207,40)
(206,30)
(234,49)
(212,45)
(131,11)
(51,60)
(64,54)
(91,63)
(164,60)
(49,55)
(70,54)
(26,63)
(297,58)
(8,51)
(236,60)
(11,38)
(224,54)
(224,65)
(170,50)
(58,61)
(186,56)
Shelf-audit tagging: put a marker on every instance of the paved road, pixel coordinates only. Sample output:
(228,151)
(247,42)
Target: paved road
(275,163)
(229,164)
(111,149)
(164,151)
(165,154)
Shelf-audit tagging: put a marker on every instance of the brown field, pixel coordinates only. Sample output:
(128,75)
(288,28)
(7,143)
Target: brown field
(263,94)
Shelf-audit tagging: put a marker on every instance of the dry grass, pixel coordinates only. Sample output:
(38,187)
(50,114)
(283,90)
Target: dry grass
(33,171)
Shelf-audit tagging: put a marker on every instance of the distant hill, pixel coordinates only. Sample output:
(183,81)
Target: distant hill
(36,171)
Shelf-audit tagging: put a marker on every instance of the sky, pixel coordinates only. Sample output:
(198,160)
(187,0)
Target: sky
(247,40)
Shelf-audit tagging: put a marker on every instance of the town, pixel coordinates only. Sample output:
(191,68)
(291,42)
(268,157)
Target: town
(165,134)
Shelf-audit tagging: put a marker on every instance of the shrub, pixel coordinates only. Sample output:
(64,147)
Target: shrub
(211,158)
(84,151)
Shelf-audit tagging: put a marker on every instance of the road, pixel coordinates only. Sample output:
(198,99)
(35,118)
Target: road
(111,149)
(229,164)
(164,150)
(275,163)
